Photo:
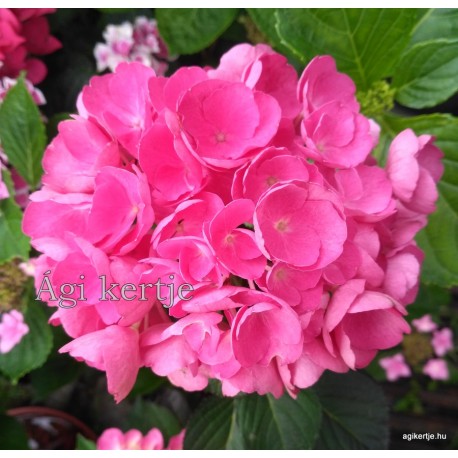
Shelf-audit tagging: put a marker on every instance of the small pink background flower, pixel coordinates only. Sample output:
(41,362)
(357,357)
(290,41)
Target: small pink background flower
(12,330)
(424,324)
(436,369)
(395,367)
(442,341)
(115,439)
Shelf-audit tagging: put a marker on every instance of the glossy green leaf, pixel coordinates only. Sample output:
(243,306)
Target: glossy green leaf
(430,299)
(14,243)
(31,352)
(266,21)
(147,415)
(12,434)
(22,133)
(266,423)
(366,43)
(427,74)
(355,412)
(58,371)
(437,23)
(212,426)
(147,382)
(84,444)
(255,422)
(189,30)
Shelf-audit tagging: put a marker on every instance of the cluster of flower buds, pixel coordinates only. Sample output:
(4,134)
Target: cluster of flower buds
(426,349)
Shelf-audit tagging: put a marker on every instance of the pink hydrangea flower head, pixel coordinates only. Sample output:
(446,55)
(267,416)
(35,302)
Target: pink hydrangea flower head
(73,159)
(25,34)
(36,30)
(261,69)
(442,341)
(197,261)
(170,348)
(337,136)
(307,232)
(300,289)
(10,38)
(114,350)
(346,266)
(296,250)
(120,38)
(402,274)
(188,218)
(115,439)
(168,92)
(358,323)
(236,247)
(173,177)
(121,230)
(137,42)
(224,122)
(12,330)
(321,83)
(424,324)
(414,167)
(120,103)
(395,367)
(366,192)
(234,63)
(278,332)
(437,369)
(269,167)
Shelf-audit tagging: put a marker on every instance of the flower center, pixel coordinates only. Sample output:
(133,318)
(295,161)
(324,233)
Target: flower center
(280,274)
(220,137)
(229,239)
(281,225)
(271,180)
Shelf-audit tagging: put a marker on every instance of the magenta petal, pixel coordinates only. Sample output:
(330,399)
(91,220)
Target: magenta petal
(114,350)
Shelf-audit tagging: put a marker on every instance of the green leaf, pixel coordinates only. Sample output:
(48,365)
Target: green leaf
(189,30)
(14,243)
(437,23)
(58,371)
(12,434)
(366,43)
(266,423)
(426,74)
(431,299)
(34,347)
(212,426)
(439,239)
(146,415)
(355,412)
(255,422)
(22,133)
(147,382)
(266,21)
(12,395)
(84,444)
